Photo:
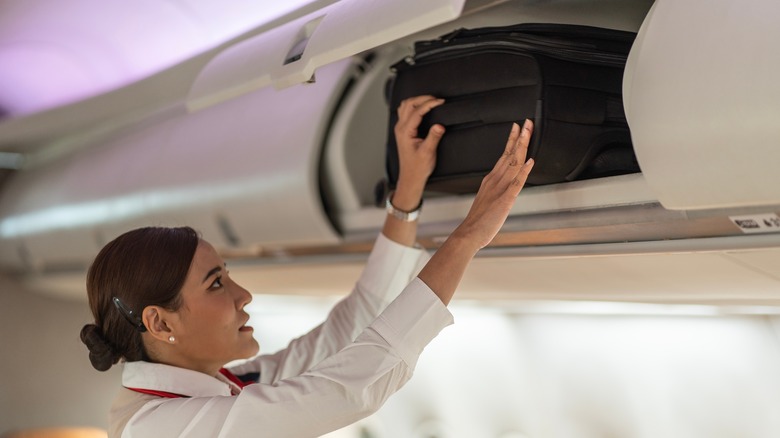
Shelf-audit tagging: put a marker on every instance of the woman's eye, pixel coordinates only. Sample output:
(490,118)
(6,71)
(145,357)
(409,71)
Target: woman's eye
(217,283)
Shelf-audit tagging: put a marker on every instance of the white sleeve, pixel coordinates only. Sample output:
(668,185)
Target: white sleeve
(347,386)
(389,269)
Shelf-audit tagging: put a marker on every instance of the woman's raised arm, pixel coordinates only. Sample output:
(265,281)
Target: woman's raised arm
(488,213)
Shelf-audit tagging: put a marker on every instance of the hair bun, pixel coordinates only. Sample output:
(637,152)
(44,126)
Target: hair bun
(101,354)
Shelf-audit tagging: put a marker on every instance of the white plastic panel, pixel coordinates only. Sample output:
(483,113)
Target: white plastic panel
(705,271)
(635,272)
(702,98)
(248,167)
(330,34)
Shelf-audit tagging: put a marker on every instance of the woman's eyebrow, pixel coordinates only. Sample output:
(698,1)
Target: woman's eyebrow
(212,272)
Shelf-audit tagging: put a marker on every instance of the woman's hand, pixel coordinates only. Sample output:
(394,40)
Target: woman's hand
(416,156)
(488,213)
(498,190)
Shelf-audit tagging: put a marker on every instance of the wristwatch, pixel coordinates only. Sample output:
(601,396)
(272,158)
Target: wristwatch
(406,216)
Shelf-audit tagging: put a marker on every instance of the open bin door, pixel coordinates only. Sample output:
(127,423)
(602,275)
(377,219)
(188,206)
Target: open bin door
(702,97)
(290,54)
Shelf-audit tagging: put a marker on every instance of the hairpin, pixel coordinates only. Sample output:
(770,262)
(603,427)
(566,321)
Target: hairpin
(129,315)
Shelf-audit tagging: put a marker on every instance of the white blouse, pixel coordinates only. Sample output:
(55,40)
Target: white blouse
(338,373)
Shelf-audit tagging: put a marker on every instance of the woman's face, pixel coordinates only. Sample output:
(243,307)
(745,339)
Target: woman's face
(211,329)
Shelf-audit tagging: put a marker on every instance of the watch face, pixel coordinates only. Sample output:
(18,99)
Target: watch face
(405,216)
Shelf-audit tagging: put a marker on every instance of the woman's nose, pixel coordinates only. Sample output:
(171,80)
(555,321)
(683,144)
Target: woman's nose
(243,296)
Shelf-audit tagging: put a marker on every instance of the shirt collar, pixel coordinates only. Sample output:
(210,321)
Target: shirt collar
(167,378)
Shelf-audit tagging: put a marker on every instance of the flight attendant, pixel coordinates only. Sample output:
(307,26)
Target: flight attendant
(164,304)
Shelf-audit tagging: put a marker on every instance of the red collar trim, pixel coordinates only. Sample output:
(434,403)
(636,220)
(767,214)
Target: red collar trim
(230,376)
(158,393)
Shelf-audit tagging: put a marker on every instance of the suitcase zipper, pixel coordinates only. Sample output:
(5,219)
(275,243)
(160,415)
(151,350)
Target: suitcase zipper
(568,32)
(547,48)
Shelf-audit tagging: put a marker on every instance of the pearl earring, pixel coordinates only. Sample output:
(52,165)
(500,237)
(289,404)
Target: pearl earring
(171,338)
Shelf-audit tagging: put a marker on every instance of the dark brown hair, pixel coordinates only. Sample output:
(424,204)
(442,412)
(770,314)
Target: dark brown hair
(143,267)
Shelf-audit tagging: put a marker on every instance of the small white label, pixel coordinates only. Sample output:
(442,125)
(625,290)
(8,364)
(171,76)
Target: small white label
(757,223)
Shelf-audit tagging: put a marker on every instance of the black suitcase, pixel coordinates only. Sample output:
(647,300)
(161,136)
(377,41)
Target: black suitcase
(566,78)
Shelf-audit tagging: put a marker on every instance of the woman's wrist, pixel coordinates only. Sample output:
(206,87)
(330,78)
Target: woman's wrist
(407,196)
(402,213)
(466,241)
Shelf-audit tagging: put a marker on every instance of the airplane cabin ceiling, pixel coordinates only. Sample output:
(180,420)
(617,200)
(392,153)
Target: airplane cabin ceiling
(55,53)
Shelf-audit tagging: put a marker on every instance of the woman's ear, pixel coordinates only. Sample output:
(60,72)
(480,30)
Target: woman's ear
(157,322)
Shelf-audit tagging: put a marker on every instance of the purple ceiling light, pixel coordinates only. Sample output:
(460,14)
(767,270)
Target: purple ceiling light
(55,53)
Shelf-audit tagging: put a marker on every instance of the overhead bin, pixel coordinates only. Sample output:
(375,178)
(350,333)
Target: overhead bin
(244,173)
(613,209)
(702,97)
(240,171)
(290,54)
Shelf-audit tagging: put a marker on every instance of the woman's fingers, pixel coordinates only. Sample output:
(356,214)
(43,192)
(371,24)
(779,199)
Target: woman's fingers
(513,162)
(411,103)
(525,140)
(411,112)
(516,147)
(506,158)
(431,142)
(517,183)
